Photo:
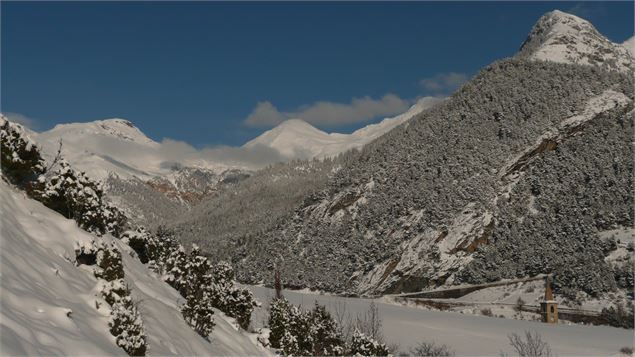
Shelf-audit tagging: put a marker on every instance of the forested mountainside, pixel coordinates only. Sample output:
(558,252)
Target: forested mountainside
(526,169)
(231,223)
(153,202)
(409,212)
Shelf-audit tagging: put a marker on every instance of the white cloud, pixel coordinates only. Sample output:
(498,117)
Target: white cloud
(325,113)
(22,119)
(444,82)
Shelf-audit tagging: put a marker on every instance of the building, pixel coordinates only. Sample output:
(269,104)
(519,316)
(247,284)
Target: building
(549,306)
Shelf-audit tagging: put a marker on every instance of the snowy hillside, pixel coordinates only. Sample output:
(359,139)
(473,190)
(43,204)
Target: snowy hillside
(49,306)
(104,146)
(565,38)
(296,138)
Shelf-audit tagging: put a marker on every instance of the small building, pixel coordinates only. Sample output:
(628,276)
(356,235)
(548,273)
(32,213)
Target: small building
(549,306)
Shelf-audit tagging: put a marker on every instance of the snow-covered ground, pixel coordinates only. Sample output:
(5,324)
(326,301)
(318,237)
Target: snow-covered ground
(465,334)
(49,306)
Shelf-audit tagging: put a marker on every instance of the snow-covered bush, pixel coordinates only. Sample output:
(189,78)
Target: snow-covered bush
(298,332)
(21,162)
(176,270)
(198,310)
(325,333)
(114,291)
(619,316)
(139,241)
(239,303)
(109,263)
(365,346)
(126,325)
(279,320)
(75,196)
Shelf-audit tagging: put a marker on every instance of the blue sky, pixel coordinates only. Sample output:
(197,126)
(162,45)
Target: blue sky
(214,73)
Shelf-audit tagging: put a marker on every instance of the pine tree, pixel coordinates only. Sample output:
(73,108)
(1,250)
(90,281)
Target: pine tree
(279,320)
(20,159)
(75,196)
(176,270)
(324,331)
(198,311)
(126,325)
(366,346)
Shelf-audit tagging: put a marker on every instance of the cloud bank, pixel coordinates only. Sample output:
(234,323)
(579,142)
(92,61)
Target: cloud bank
(443,82)
(331,114)
(22,119)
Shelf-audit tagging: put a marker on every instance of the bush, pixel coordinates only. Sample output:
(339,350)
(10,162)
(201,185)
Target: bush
(325,333)
(198,311)
(620,316)
(297,332)
(531,346)
(366,346)
(126,325)
(431,349)
(279,319)
(109,263)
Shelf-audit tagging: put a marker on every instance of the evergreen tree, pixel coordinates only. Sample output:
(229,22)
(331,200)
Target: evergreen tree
(176,270)
(279,320)
(365,346)
(20,159)
(324,331)
(126,325)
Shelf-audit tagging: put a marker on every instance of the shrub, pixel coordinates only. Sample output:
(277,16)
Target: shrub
(431,349)
(620,316)
(366,346)
(531,346)
(126,325)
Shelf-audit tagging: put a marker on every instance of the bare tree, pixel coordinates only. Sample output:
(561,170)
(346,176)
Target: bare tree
(431,349)
(370,323)
(531,346)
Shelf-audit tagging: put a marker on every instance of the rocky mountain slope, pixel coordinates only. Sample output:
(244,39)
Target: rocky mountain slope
(565,38)
(518,173)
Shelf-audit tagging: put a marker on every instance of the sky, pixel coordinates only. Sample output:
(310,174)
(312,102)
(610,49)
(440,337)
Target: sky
(216,73)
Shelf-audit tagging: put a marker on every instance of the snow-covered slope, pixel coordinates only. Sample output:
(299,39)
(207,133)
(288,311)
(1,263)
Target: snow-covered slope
(296,138)
(104,146)
(565,38)
(48,305)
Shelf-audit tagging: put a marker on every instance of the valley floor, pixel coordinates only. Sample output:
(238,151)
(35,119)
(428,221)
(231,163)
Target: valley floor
(466,334)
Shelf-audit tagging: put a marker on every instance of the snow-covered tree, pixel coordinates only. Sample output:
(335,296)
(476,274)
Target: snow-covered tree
(198,311)
(176,270)
(76,196)
(126,325)
(20,158)
(366,346)
(109,263)
(279,320)
(239,303)
(325,333)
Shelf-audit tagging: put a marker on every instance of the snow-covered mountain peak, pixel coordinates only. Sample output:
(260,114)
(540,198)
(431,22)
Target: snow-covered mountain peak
(116,127)
(295,138)
(565,38)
